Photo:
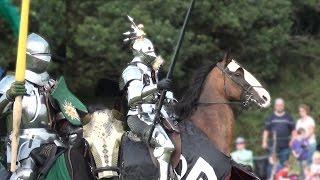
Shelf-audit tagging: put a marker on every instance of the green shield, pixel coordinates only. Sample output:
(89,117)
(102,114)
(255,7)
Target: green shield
(69,104)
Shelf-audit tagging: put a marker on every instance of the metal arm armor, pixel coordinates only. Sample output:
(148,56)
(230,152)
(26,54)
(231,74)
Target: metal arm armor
(5,84)
(129,74)
(132,78)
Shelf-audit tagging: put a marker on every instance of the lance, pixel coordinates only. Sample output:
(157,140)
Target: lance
(19,76)
(172,65)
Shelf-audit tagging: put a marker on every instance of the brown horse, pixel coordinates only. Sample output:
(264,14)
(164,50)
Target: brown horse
(211,101)
(215,94)
(208,113)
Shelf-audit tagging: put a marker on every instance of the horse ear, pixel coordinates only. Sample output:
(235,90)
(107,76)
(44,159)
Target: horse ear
(226,59)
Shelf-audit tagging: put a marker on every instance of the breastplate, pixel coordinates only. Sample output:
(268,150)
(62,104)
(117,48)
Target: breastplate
(34,109)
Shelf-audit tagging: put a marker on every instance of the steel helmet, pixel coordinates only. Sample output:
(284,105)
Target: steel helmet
(38,54)
(144,49)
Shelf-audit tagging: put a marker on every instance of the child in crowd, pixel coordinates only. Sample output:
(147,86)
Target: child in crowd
(313,172)
(242,155)
(285,173)
(300,149)
(300,145)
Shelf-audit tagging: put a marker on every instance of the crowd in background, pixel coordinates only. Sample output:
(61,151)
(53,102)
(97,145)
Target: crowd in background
(282,137)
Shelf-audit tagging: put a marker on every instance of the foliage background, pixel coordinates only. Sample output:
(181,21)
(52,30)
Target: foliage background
(278,41)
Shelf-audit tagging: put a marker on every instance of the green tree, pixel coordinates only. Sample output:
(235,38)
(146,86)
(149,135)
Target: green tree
(250,29)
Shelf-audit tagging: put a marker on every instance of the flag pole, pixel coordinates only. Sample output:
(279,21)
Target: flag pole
(20,76)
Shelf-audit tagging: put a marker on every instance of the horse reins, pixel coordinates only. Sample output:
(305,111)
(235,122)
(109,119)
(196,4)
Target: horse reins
(246,93)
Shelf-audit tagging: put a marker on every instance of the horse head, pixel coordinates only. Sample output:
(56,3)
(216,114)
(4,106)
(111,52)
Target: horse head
(236,86)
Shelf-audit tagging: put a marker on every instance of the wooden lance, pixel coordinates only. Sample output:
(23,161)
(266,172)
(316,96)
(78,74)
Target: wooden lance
(19,76)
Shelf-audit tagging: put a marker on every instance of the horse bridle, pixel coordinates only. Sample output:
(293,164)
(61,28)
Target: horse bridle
(246,96)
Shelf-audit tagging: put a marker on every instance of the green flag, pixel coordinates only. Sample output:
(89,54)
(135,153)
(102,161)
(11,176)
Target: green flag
(68,103)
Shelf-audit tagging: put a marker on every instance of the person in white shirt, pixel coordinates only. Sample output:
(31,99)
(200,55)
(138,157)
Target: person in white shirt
(313,171)
(307,123)
(242,155)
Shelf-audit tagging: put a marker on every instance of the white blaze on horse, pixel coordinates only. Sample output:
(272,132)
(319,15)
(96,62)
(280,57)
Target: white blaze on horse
(207,119)
(233,66)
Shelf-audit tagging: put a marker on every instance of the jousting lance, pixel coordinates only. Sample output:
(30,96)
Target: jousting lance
(172,65)
(19,76)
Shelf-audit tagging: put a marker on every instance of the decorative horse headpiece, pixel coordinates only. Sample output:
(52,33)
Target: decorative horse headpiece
(253,90)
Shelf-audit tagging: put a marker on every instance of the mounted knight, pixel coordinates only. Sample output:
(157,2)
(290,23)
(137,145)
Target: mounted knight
(141,84)
(199,146)
(51,128)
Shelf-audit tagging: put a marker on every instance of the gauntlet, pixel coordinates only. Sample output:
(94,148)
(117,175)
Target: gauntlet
(17,89)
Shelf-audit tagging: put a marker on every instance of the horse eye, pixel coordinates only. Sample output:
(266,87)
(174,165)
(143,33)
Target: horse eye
(238,74)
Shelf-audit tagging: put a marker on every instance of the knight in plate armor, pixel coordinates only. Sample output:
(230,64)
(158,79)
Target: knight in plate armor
(141,85)
(47,125)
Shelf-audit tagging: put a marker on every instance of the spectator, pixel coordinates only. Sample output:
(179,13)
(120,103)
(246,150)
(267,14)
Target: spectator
(281,123)
(307,123)
(299,148)
(313,172)
(282,173)
(285,174)
(242,155)
(307,173)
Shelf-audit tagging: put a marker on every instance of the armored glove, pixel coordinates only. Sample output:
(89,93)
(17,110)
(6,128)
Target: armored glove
(164,84)
(17,89)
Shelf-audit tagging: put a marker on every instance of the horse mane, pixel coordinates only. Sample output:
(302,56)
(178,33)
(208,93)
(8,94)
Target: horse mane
(189,101)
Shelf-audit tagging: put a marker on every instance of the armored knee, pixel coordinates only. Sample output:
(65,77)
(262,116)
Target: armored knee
(139,127)
(25,171)
(22,174)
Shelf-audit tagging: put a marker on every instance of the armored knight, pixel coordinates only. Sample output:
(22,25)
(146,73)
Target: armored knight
(140,81)
(50,121)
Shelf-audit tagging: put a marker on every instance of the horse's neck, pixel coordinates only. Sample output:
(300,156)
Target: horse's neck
(216,120)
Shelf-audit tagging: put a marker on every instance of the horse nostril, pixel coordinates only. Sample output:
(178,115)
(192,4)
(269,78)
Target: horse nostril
(264,98)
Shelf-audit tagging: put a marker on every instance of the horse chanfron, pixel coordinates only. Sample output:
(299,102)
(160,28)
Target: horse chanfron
(253,90)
